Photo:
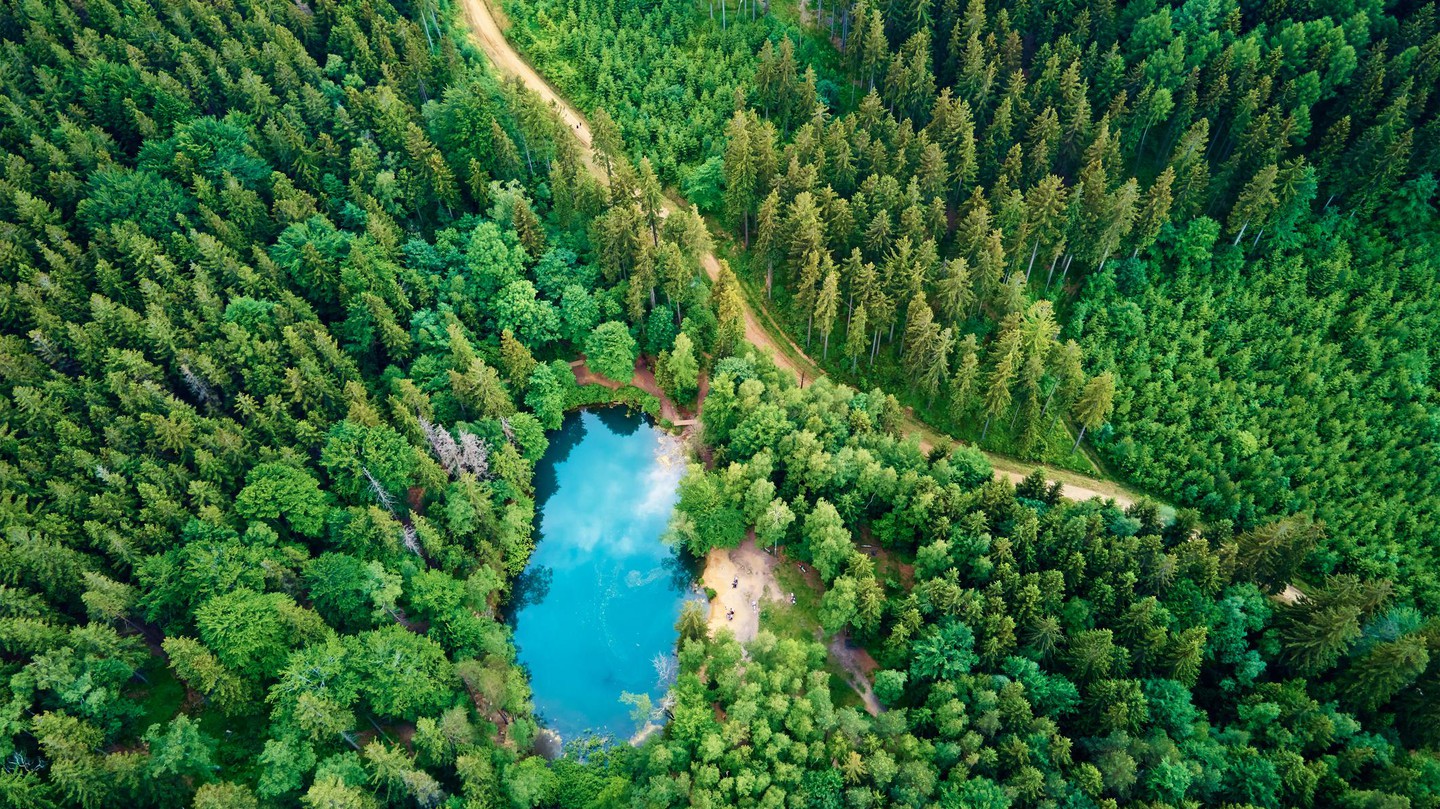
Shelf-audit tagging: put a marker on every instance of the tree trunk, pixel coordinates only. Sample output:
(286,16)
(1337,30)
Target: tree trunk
(1078,438)
(986,428)
(769,277)
(1033,251)
(1241,234)
(1066,271)
(825,353)
(1050,276)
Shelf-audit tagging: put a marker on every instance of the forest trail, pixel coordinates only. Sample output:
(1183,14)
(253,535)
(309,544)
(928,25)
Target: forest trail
(487,33)
(859,669)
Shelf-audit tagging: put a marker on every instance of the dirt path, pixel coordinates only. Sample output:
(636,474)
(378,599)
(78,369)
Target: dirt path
(482,21)
(488,34)
(644,379)
(741,578)
(491,40)
(859,668)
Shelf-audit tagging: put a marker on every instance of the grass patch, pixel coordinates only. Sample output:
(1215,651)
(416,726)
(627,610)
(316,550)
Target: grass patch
(628,395)
(241,740)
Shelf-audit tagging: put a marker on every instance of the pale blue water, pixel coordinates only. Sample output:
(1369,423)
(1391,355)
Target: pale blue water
(599,599)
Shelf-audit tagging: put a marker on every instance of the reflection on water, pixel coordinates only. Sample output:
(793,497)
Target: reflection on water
(595,610)
(531,587)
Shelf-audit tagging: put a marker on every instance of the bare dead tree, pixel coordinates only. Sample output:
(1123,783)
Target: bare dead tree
(470,454)
(386,499)
(475,455)
(442,443)
(197,384)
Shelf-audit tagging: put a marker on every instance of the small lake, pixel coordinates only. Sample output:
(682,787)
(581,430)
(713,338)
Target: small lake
(594,612)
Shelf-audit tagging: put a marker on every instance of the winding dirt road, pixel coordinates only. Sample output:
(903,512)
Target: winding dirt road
(508,61)
(488,35)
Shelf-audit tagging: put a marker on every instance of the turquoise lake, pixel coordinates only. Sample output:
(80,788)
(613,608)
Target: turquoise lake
(594,612)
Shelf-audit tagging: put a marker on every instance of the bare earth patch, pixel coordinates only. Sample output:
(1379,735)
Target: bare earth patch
(859,669)
(741,577)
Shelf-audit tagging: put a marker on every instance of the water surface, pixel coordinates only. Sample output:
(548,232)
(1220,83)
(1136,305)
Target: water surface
(597,604)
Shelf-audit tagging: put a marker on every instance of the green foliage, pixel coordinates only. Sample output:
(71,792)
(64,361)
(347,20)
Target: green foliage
(273,491)
(408,675)
(251,400)
(1076,651)
(611,351)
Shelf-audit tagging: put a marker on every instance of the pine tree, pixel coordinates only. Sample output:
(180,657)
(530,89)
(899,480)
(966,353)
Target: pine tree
(967,375)
(652,200)
(955,293)
(1154,211)
(918,337)
(997,395)
(1374,679)
(740,173)
(609,146)
(1317,629)
(1045,206)
(729,310)
(517,359)
(1272,555)
(1255,203)
(1094,405)
(937,362)
(767,232)
(856,338)
(827,304)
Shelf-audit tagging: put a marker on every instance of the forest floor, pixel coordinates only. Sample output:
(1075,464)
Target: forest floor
(859,669)
(761,328)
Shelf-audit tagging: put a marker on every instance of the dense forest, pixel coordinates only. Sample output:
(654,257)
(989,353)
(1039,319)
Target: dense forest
(1039,652)
(1225,209)
(287,297)
(289,293)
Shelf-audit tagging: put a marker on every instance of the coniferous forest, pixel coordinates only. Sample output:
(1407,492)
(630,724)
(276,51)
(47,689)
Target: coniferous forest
(290,294)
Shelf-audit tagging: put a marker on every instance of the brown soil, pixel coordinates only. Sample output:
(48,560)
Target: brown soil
(741,577)
(644,379)
(859,669)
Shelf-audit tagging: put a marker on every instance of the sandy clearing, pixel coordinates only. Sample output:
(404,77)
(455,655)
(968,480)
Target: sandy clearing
(741,578)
